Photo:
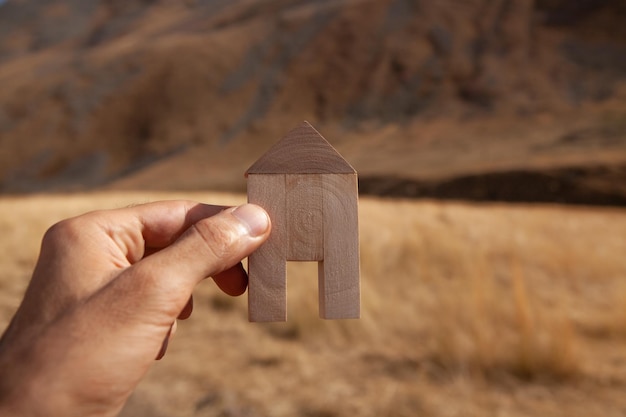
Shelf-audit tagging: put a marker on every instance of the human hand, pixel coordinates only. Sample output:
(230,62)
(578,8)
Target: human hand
(104,296)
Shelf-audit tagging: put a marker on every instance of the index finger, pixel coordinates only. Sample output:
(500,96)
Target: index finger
(163,222)
(149,227)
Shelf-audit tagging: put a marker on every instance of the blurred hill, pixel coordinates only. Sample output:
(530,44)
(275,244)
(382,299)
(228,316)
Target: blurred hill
(481,99)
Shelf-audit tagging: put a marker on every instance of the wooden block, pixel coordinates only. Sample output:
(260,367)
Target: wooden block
(339,284)
(310,193)
(302,151)
(304,217)
(267,291)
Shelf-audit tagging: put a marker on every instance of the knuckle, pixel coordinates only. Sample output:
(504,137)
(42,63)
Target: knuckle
(72,231)
(220,241)
(63,232)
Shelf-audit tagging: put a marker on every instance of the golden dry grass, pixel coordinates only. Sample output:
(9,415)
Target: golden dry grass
(468,310)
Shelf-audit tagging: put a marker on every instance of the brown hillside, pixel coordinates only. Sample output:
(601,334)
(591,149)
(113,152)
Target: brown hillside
(184,95)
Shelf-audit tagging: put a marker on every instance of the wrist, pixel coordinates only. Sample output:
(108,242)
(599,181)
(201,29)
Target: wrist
(26,387)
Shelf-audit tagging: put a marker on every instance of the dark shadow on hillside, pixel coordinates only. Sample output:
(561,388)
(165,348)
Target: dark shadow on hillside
(595,185)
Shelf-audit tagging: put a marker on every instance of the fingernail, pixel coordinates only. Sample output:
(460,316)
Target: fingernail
(253,217)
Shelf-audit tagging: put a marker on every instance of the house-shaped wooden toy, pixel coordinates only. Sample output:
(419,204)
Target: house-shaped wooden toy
(310,193)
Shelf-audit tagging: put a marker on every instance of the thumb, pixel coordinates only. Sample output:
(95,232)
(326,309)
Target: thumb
(212,245)
(165,280)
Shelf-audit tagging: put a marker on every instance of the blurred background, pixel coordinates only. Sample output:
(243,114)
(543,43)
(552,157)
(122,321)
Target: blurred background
(490,141)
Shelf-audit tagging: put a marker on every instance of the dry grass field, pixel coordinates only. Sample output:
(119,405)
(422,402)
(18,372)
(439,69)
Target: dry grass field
(468,310)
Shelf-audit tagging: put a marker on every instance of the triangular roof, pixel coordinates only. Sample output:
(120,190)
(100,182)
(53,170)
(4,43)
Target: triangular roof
(302,151)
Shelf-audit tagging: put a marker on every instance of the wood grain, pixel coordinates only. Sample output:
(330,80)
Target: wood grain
(339,283)
(304,217)
(302,151)
(267,268)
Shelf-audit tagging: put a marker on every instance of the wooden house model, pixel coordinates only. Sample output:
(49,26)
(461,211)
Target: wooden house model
(310,193)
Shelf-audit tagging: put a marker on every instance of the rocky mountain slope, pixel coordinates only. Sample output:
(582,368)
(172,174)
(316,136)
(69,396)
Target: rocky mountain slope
(416,94)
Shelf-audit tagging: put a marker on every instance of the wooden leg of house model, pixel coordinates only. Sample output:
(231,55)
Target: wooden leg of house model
(267,292)
(339,287)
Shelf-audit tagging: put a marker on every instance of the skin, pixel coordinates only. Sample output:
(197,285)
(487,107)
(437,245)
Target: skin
(104,298)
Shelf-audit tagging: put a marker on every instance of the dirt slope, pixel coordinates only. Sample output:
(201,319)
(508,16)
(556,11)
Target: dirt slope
(185,95)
